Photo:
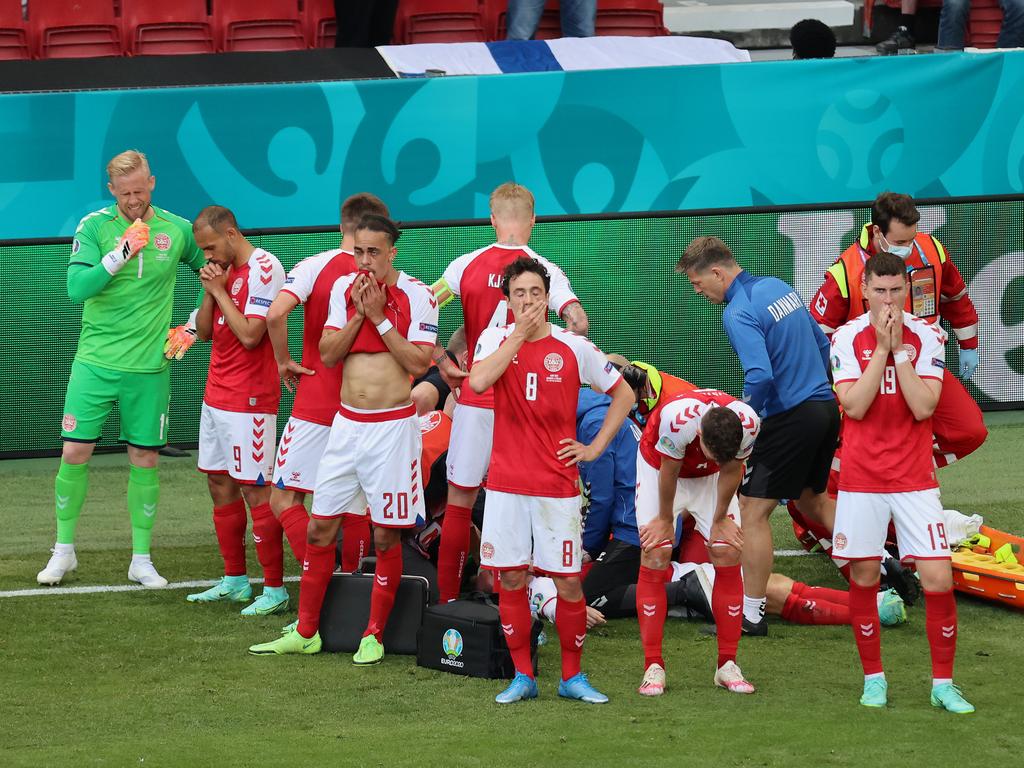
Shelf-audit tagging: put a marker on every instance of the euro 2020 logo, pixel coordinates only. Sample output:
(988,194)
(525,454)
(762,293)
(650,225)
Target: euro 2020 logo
(451,643)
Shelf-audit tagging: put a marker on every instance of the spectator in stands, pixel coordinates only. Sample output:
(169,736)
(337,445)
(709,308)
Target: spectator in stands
(812,39)
(577,18)
(364,23)
(902,39)
(953,22)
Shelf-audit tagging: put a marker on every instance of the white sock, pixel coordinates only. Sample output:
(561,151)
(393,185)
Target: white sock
(141,559)
(876,676)
(753,608)
(63,549)
(937,681)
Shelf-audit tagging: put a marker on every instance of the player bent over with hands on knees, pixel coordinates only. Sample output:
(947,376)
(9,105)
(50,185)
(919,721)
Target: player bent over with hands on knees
(383,324)
(532,513)
(238,425)
(123,267)
(888,367)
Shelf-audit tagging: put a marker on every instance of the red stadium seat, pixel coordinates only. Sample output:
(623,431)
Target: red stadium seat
(63,29)
(320,24)
(984,23)
(632,18)
(156,27)
(439,21)
(258,25)
(549,28)
(13,33)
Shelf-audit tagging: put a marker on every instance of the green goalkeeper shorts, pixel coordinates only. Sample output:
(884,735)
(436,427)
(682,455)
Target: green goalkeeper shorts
(142,399)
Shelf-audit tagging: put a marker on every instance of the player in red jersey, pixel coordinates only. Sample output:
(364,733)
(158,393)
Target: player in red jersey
(383,325)
(316,402)
(239,417)
(532,511)
(691,461)
(888,368)
(476,278)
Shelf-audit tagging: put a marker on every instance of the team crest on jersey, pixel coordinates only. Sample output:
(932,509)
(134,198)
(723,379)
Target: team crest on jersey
(911,352)
(839,542)
(69,422)
(487,550)
(430,421)
(162,242)
(553,362)
(237,286)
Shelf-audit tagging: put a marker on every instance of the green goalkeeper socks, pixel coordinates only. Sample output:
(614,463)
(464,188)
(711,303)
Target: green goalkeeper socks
(143,494)
(70,488)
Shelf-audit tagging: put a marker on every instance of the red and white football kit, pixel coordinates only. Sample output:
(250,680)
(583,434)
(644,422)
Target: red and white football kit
(238,425)
(378,452)
(476,279)
(672,431)
(316,401)
(532,512)
(887,470)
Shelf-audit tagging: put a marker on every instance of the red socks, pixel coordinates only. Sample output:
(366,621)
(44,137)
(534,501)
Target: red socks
(571,621)
(451,557)
(295,522)
(836,596)
(385,586)
(651,606)
(866,626)
(266,534)
(516,623)
(940,621)
(727,607)
(316,575)
(355,542)
(804,610)
(230,522)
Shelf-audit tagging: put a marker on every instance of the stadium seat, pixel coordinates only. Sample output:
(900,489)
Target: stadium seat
(62,29)
(984,23)
(895,4)
(439,21)
(321,26)
(13,34)
(156,27)
(258,25)
(632,18)
(549,28)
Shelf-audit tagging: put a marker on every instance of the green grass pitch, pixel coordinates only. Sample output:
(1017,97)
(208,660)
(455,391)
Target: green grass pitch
(145,679)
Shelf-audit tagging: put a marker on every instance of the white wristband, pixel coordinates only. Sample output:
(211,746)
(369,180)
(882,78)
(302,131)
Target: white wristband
(384,326)
(116,259)
(901,357)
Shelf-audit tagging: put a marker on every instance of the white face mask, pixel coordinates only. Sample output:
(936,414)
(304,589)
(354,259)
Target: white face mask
(903,251)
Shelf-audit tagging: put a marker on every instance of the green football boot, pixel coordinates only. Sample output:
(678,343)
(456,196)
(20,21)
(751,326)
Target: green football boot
(293,642)
(370,652)
(234,589)
(875,693)
(891,609)
(948,697)
(273,600)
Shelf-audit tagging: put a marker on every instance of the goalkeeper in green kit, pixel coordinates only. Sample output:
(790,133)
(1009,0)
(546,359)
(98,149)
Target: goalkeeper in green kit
(123,267)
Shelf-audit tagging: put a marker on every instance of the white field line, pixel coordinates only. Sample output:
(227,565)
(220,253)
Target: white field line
(103,588)
(106,588)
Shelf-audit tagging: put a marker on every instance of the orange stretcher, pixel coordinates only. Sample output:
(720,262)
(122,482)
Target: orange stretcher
(976,570)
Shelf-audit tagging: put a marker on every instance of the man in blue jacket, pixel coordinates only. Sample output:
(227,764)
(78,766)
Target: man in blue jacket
(785,359)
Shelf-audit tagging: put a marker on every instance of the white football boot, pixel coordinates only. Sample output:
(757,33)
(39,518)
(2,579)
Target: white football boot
(143,572)
(61,564)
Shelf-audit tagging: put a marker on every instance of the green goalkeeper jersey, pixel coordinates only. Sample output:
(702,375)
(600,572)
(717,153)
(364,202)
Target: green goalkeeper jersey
(124,326)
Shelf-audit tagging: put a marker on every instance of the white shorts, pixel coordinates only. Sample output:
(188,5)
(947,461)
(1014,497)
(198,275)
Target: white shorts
(520,530)
(696,495)
(862,523)
(237,444)
(469,447)
(373,457)
(298,456)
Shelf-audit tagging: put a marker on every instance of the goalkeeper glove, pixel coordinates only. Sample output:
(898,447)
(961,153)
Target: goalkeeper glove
(968,362)
(178,341)
(132,241)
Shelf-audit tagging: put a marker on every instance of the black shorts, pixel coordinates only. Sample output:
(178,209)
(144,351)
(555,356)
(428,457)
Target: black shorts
(793,452)
(434,378)
(617,566)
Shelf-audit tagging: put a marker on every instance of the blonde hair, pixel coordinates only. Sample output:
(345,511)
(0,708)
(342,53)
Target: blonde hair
(125,163)
(512,201)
